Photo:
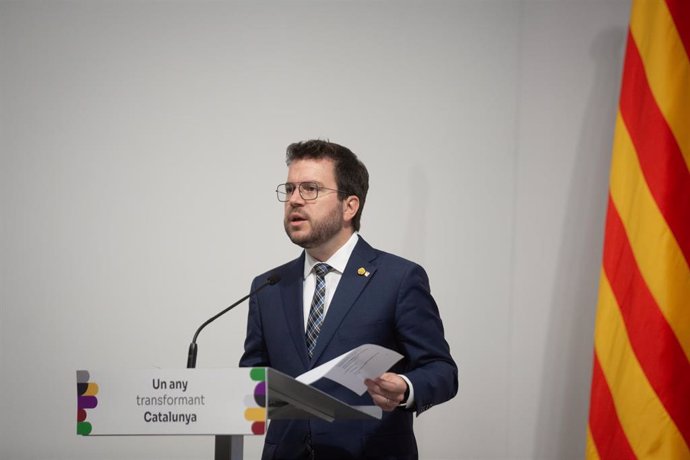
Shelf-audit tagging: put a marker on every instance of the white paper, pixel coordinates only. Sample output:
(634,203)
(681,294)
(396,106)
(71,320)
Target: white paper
(352,368)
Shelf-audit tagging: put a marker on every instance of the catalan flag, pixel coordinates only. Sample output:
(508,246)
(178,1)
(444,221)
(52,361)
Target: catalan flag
(640,398)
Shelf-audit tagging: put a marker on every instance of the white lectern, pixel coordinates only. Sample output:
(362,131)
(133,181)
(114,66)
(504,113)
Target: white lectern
(225,403)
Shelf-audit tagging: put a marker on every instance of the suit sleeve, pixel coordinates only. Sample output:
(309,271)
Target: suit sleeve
(419,329)
(255,353)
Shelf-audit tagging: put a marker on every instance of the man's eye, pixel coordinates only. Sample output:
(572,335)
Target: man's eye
(309,187)
(289,188)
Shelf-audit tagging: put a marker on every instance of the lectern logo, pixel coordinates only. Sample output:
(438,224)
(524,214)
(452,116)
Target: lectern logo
(86,399)
(257,415)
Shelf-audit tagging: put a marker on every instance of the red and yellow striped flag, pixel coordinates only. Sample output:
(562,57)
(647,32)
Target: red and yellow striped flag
(640,399)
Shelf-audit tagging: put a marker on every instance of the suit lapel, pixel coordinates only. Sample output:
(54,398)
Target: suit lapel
(291,293)
(349,288)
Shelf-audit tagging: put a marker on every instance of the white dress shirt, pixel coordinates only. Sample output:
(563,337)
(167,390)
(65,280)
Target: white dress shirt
(337,261)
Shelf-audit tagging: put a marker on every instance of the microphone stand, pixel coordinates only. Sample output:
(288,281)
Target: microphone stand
(193,348)
(227,446)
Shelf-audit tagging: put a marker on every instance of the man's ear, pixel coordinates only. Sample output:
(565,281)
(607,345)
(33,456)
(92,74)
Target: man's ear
(350,207)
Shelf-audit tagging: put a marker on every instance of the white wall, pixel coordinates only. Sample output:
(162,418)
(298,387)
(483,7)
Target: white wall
(141,143)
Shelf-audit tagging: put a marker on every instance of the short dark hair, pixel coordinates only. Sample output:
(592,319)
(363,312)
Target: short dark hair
(351,175)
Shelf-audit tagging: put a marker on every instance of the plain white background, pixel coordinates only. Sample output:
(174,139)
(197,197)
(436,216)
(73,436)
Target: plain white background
(141,143)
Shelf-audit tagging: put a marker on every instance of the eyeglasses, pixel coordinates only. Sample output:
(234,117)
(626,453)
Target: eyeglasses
(307,190)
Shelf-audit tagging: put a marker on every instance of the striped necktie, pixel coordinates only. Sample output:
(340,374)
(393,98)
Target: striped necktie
(316,313)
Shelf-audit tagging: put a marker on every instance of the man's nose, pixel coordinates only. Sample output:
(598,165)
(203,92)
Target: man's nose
(295,198)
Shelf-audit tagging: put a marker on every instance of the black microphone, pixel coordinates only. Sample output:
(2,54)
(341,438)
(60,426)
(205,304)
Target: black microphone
(191,356)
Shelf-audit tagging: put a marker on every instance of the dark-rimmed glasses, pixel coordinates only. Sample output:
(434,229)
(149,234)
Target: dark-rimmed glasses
(307,190)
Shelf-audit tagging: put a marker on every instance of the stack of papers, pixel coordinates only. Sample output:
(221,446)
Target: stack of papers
(352,368)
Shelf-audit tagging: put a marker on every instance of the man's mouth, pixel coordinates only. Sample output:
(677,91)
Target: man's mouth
(295,218)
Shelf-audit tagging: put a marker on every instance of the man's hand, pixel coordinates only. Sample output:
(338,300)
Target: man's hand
(387,391)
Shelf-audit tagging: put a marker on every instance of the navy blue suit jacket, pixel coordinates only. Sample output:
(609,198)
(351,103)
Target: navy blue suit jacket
(392,306)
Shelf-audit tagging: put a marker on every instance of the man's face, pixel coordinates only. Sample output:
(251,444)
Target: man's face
(314,223)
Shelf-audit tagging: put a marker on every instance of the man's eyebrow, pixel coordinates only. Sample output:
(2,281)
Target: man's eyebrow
(320,184)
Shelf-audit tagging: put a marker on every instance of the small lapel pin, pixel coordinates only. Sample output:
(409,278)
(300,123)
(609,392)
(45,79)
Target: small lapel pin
(361,271)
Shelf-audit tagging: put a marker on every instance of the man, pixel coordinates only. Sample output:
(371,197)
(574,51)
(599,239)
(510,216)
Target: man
(339,294)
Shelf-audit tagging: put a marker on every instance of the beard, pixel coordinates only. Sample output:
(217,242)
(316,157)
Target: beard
(321,230)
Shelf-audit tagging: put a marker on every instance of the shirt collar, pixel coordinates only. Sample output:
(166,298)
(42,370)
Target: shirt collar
(337,261)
